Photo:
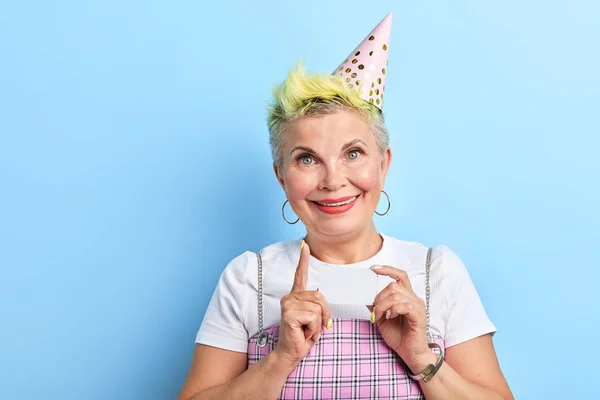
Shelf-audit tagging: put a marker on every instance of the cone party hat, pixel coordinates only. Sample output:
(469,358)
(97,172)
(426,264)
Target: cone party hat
(365,68)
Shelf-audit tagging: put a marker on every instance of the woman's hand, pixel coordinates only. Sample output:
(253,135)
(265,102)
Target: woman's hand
(303,314)
(401,319)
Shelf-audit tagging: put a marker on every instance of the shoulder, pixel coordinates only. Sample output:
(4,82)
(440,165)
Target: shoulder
(410,255)
(280,258)
(280,249)
(237,268)
(279,261)
(442,256)
(417,247)
(450,276)
(405,248)
(446,267)
(449,264)
(242,261)
(243,268)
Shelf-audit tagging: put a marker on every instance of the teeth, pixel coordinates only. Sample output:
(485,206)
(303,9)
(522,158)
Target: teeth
(341,203)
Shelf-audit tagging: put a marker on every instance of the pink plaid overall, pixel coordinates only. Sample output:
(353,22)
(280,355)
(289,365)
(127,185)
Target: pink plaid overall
(351,361)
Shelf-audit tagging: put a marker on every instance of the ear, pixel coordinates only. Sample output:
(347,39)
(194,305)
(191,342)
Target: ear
(279,176)
(385,163)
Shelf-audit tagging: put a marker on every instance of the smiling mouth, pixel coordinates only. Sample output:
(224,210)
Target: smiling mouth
(337,204)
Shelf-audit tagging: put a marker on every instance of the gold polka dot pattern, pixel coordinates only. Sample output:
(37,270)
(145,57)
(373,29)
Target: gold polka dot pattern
(365,69)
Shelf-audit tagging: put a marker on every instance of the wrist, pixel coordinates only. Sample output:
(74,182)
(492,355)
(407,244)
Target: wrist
(282,362)
(271,371)
(419,363)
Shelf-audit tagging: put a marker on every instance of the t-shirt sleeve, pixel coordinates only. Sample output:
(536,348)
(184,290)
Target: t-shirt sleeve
(224,323)
(466,317)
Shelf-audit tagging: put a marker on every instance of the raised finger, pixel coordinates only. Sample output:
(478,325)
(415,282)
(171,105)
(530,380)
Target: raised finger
(301,277)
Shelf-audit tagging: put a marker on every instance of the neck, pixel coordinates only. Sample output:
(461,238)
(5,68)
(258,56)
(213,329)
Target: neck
(346,249)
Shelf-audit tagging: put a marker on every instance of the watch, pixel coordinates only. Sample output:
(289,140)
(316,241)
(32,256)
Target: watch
(431,369)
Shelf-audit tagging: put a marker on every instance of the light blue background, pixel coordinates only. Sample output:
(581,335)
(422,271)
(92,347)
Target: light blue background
(134,165)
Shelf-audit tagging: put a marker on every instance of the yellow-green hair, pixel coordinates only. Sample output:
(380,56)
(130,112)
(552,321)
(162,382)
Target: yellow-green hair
(310,95)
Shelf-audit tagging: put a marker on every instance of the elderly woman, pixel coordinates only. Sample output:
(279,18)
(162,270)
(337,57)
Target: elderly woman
(269,332)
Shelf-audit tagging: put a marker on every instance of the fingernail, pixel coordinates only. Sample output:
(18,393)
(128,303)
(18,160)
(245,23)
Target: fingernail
(376,267)
(302,245)
(388,313)
(372,317)
(329,324)
(308,338)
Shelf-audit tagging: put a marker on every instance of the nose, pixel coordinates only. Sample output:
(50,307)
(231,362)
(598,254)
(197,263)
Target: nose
(333,178)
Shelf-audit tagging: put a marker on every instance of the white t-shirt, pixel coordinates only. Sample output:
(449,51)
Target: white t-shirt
(456,311)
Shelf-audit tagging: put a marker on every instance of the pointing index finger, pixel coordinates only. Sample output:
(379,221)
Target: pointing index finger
(301,277)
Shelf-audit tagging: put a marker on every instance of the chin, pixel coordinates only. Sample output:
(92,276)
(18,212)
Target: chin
(338,227)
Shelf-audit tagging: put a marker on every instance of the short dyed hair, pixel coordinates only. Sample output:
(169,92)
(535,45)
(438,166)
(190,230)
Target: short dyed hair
(311,95)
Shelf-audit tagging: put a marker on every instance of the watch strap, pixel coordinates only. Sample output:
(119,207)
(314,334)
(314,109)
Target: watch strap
(431,369)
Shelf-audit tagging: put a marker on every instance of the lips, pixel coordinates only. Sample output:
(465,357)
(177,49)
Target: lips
(336,202)
(336,206)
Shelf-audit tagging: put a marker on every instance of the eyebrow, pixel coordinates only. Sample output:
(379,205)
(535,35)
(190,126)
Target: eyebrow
(352,143)
(344,147)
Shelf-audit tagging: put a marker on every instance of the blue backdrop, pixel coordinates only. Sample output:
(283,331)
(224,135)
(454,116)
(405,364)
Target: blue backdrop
(134,165)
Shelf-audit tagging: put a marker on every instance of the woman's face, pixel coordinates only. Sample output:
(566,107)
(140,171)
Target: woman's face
(332,172)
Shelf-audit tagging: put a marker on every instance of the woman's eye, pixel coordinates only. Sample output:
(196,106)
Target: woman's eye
(306,160)
(353,155)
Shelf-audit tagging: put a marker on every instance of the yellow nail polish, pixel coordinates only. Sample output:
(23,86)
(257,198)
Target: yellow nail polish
(372,317)
(302,245)
(329,324)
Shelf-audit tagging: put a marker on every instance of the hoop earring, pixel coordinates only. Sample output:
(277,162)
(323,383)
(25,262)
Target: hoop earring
(388,206)
(283,214)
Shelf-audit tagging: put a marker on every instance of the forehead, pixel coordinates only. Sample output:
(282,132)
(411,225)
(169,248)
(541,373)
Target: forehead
(330,129)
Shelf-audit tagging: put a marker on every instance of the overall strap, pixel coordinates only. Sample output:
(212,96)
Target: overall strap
(262,335)
(428,289)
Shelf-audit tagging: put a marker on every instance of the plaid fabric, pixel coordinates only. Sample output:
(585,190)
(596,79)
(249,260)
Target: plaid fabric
(349,362)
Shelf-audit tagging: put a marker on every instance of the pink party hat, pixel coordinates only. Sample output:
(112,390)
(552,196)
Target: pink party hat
(366,67)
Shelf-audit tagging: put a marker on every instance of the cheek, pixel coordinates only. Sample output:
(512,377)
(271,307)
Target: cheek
(300,185)
(367,178)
